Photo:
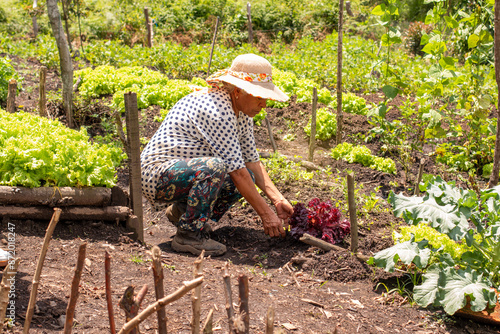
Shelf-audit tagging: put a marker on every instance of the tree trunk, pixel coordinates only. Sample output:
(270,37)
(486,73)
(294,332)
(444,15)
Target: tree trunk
(64,58)
(496,160)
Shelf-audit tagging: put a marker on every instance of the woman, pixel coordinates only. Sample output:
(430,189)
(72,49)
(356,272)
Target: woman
(203,158)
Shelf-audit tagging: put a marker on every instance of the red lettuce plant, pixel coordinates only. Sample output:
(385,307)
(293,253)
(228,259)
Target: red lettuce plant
(321,220)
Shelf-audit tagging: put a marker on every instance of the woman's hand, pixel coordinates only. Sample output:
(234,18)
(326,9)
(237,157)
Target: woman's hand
(272,225)
(284,210)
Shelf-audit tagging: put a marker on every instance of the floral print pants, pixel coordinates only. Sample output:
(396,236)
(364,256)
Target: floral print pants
(203,184)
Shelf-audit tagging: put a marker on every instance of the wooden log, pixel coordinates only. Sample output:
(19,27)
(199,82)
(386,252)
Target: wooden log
(249,17)
(213,44)
(186,287)
(70,310)
(110,213)
(38,270)
(109,301)
(8,278)
(352,212)
(42,98)
(11,96)
(340,120)
(312,140)
(159,290)
(132,120)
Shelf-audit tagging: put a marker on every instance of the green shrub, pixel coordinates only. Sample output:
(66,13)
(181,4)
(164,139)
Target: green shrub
(7,72)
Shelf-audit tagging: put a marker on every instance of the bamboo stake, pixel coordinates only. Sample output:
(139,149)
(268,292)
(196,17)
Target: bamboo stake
(38,271)
(42,98)
(419,177)
(70,310)
(187,286)
(270,320)
(196,297)
(8,278)
(159,291)
(229,297)
(352,213)
(243,294)
(213,44)
(312,140)
(271,137)
(339,74)
(109,301)
(208,325)
(11,96)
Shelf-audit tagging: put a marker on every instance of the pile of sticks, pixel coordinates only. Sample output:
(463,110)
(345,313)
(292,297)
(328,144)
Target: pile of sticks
(77,204)
(131,303)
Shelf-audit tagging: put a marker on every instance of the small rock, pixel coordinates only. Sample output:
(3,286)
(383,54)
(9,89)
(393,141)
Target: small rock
(88,263)
(61,320)
(53,303)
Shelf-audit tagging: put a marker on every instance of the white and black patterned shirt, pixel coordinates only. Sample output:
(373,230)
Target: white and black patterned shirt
(202,124)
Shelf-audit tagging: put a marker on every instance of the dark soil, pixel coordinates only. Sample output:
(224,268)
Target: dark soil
(347,294)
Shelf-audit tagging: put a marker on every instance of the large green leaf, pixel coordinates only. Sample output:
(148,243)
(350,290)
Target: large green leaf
(407,252)
(426,293)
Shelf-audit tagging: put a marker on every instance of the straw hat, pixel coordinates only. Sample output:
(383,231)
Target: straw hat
(251,73)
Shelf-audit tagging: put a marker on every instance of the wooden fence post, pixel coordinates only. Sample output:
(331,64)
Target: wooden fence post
(312,140)
(213,44)
(42,99)
(148,27)
(11,96)
(352,212)
(132,120)
(33,19)
(250,30)
(339,74)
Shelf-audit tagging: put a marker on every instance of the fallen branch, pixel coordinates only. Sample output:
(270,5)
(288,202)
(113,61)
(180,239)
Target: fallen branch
(312,302)
(70,310)
(38,271)
(109,301)
(229,297)
(8,278)
(159,291)
(310,240)
(187,286)
(196,297)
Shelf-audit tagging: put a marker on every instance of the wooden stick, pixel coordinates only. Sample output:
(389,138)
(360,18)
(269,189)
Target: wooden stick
(39,266)
(8,279)
(131,304)
(270,320)
(249,17)
(196,297)
(310,240)
(121,134)
(35,26)
(352,212)
(229,297)
(109,301)
(271,137)
(339,74)
(213,45)
(208,325)
(419,177)
(42,98)
(11,96)
(312,140)
(148,28)
(159,291)
(132,119)
(70,310)
(243,294)
(187,286)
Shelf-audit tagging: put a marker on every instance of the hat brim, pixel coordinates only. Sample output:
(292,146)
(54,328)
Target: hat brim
(266,90)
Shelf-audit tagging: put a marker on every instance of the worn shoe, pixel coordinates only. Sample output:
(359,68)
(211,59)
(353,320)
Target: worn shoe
(195,242)
(176,210)
(4,258)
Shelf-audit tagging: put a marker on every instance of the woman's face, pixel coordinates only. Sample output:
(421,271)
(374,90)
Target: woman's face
(248,104)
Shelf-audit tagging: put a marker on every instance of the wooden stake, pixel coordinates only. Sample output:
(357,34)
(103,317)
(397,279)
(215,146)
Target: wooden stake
(419,177)
(270,320)
(39,266)
(132,120)
(42,98)
(70,310)
(159,291)
(312,140)
(35,26)
(131,304)
(149,28)
(196,297)
(8,279)
(250,30)
(11,96)
(229,297)
(109,301)
(271,137)
(339,74)
(208,325)
(243,294)
(187,286)
(213,44)
(352,213)
(348,8)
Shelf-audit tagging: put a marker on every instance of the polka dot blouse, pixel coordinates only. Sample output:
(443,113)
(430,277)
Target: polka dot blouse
(202,124)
